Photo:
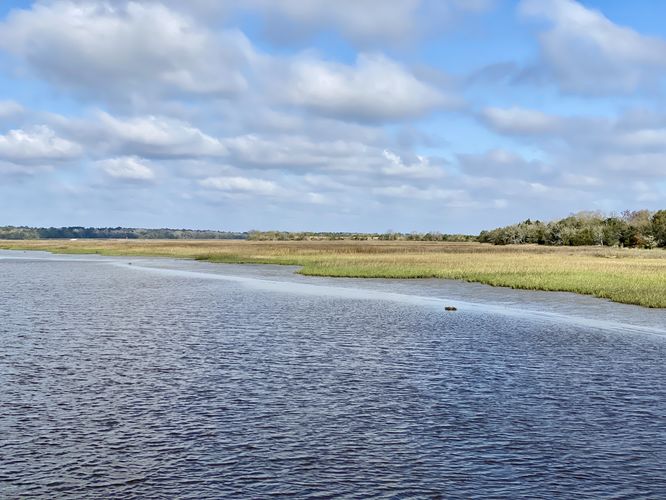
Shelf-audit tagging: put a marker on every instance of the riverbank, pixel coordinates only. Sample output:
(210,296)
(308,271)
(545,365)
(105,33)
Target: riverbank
(621,275)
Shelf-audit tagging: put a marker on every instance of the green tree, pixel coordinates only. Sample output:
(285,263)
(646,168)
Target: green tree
(659,227)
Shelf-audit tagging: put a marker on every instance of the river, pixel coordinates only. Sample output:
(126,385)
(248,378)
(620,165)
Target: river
(155,378)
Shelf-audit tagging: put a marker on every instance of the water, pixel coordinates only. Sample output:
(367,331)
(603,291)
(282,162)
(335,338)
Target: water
(165,379)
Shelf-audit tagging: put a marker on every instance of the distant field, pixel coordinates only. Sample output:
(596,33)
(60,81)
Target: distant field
(621,275)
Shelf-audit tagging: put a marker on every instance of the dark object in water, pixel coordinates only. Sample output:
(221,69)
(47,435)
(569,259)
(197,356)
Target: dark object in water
(450,308)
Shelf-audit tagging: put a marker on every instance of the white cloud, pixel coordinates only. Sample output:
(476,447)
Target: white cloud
(648,193)
(38,144)
(502,164)
(455,197)
(127,168)
(155,136)
(324,182)
(194,105)
(303,154)
(590,54)
(420,169)
(527,193)
(644,139)
(374,89)
(361,21)
(299,152)
(637,165)
(242,185)
(144,56)
(366,19)
(317,198)
(587,146)
(127,51)
(10,109)
(580,180)
(16,170)
(516,120)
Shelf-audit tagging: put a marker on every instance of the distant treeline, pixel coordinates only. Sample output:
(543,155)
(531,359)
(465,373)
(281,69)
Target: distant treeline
(634,229)
(388,236)
(39,233)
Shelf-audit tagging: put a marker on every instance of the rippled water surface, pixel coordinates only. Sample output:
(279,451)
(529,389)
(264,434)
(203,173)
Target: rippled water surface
(165,379)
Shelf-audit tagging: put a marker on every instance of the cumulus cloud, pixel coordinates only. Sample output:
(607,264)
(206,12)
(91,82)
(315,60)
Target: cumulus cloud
(374,89)
(516,120)
(368,22)
(293,152)
(452,197)
(128,51)
(581,180)
(14,170)
(502,163)
(154,136)
(166,95)
(138,55)
(361,21)
(637,165)
(127,169)
(583,148)
(419,169)
(589,54)
(644,139)
(527,193)
(39,144)
(242,185)
(633,130)
(301,154)
(10,109)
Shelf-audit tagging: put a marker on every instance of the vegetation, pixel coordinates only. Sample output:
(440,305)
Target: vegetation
(388,236)
(39,233)
(612,261)
(634,276)
(633,229)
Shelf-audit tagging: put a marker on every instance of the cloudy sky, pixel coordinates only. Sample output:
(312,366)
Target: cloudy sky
(358,115)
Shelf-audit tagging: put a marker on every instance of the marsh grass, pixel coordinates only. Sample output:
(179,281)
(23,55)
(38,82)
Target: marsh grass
(622,275)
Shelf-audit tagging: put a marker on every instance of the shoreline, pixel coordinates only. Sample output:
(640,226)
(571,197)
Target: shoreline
(625,276)
(469,298)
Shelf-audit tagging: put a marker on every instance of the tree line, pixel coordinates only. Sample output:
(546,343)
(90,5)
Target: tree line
(632,229)
(331,236)
(76,232)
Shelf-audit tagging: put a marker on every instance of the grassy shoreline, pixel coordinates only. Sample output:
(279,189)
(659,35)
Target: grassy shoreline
(621,275)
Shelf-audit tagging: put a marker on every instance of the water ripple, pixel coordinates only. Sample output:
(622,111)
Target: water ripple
(125,384)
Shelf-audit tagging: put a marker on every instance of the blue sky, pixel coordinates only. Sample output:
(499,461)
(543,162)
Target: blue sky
(354,115)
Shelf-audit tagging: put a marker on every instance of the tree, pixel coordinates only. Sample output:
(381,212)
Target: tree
(659,227)
(640,228)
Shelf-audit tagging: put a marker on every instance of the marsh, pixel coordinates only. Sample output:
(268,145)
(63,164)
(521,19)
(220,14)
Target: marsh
(632,276)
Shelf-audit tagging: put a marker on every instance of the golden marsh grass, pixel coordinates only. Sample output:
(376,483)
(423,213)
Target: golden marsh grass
(622,275)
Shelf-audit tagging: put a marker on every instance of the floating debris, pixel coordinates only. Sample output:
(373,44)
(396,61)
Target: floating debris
(450,308)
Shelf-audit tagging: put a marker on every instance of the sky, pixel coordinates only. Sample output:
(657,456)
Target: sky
(349,115)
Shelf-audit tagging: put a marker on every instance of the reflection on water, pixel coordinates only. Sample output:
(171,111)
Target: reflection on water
(118,381)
